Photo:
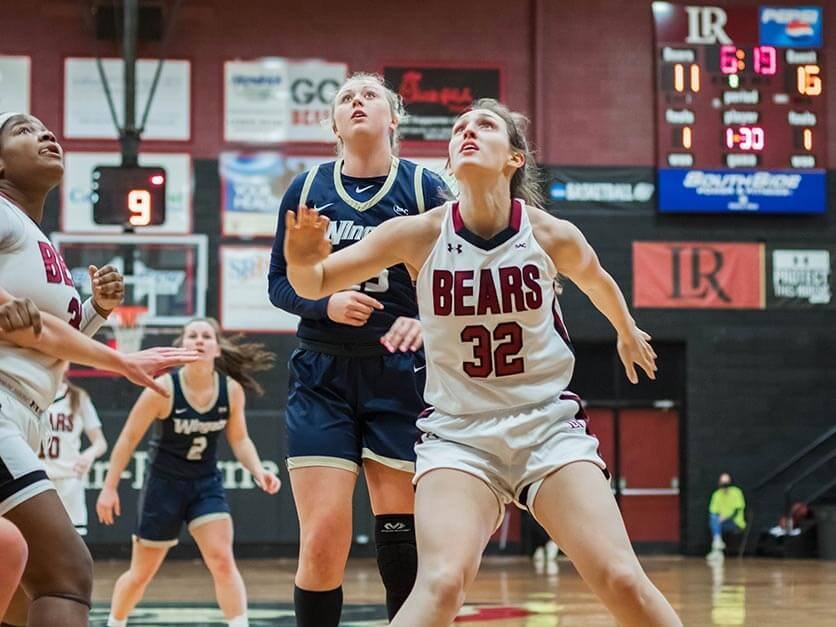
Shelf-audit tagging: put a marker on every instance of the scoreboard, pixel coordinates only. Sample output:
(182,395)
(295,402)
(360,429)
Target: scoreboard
(740,109)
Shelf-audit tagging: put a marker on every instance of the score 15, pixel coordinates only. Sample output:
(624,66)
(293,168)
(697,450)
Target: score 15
(129,195)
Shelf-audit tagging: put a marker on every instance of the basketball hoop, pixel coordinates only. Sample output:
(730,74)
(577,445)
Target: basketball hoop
(128,328)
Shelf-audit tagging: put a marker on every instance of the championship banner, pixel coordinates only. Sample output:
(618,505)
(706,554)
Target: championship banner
(799,277)
(252,186)
(279,100)
(15,82)
(77,188)
(698,275)
(621,188)
(86,111)
(244,304)
(435,96)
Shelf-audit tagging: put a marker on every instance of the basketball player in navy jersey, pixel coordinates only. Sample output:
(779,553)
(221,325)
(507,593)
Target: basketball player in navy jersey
(183,483)
(356,382)
(59,574)
(503,428)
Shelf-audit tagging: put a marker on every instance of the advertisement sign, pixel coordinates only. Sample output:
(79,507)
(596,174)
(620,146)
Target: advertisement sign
(76,190)
(698,275)
(87,113)
(742,191)
(435,96)
(15,80)
(600,188)
(791,27)
(252,186)
(280,100)
(244,303)
(799,278)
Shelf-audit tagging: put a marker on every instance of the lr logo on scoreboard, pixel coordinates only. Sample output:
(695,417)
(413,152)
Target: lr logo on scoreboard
(705,25)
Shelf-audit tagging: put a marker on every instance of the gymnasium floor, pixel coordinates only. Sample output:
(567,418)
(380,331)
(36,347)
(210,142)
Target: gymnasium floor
(507,593)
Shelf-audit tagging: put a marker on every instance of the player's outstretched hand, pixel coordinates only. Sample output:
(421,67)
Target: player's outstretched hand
(18,314)
(305,243)
(107,506)
(634,349)
(404,335)
(268,482)
(140,367)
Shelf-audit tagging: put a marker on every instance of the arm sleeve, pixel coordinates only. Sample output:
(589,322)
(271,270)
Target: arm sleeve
(436,191)
(91,321)
(281,292)
(89,415)
(714,506)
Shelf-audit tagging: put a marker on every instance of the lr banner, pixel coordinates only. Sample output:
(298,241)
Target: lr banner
(435,96)
(621,188)
(799,277)
(698,275)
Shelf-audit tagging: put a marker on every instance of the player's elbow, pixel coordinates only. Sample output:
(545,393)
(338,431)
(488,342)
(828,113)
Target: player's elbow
(304,287)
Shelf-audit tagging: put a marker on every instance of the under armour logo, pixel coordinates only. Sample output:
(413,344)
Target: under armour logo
(390,527)
(520,245)
(457,248)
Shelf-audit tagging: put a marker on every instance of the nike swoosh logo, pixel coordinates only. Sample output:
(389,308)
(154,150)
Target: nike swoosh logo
(325,206)
(360,190)
(179,411)
(418,369)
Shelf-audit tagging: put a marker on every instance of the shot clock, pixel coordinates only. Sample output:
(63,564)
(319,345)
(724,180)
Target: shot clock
(740,108)
(129,196)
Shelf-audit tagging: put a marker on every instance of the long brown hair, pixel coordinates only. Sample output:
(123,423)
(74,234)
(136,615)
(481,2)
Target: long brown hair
(394,99)
(238,359)
(75,395)
(525,182)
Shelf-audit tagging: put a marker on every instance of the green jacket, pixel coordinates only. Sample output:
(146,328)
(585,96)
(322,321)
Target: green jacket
(729,503)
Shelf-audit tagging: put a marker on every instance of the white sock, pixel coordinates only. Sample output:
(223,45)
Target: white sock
(115,622)
(239,621)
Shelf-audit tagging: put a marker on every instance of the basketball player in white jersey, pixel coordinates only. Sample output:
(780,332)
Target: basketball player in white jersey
(503,429)
(58,576)
(71,414)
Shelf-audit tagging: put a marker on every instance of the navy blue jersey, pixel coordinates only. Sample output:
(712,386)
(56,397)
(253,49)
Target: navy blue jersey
(355,207)
(185,443)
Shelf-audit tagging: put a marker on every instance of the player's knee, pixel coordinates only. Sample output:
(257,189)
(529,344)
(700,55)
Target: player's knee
(322,543)
(220,563)
(445,585)
(140,577)
(623,581)
(68,575)
(397,558)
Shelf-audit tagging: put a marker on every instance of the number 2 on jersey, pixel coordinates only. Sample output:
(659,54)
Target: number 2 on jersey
(489,357)
(198,446)
(377,285)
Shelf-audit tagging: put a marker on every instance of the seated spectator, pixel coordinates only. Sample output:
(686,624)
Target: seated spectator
(725,514)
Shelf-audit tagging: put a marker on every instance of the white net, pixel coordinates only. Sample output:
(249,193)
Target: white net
(128,329)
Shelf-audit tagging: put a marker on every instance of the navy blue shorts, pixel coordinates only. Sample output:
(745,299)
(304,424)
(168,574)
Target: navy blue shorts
(166,503)
(343,409)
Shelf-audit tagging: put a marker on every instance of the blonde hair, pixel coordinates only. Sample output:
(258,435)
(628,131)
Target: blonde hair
(238,359)
(394,99)
(525,182)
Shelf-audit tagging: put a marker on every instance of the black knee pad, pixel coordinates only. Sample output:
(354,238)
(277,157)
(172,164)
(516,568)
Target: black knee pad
(397,557)
(86,601)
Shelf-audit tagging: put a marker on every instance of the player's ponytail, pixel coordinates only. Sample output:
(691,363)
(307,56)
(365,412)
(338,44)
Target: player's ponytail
(525,183)
(238,359)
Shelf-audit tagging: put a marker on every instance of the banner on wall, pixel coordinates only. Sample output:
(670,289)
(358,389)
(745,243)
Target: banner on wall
(252,186)
(244,303)
(280,100)
(799,277)
(86,111)
(435,96)
(15,81)
(76,190)
(698,275)
(621,188)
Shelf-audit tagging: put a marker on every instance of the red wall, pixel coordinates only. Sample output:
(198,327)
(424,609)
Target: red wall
(582,69)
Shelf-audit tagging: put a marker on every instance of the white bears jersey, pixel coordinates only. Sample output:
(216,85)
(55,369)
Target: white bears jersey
(30,267)
(492,328)
(67,426)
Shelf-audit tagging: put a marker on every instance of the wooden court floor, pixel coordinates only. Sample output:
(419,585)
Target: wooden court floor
(508,592)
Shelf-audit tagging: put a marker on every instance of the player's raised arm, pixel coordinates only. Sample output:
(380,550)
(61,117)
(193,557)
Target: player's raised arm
(315,273)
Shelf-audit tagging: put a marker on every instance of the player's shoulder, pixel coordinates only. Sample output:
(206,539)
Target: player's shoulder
(549,227)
